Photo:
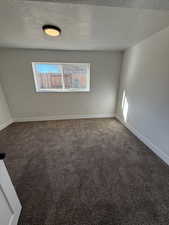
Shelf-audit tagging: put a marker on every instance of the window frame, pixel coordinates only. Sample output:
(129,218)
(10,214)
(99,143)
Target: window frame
(37,89)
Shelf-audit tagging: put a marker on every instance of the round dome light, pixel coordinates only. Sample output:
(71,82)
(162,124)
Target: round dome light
(51,30)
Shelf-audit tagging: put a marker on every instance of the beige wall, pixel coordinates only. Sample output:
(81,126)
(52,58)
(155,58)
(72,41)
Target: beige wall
(145,82)
(26,104)
(5,117)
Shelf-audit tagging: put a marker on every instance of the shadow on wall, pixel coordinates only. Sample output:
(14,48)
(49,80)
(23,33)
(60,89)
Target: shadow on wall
(125,106)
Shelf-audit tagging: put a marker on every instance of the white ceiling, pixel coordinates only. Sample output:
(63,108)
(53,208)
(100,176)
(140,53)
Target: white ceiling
(144,4)
(84,27)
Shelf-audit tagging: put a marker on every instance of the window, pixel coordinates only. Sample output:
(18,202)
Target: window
(61,77)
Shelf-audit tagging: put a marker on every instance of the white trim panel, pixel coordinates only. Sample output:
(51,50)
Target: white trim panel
(146,141)
(5,124)
(62,117)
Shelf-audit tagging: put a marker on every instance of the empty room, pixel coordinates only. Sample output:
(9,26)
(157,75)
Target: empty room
(84,112)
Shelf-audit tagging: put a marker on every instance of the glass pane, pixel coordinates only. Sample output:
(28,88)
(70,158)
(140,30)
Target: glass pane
(75,76)
(61,76)
(49,76)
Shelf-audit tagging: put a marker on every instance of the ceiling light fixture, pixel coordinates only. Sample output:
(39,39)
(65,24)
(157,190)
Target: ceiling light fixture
(51,30)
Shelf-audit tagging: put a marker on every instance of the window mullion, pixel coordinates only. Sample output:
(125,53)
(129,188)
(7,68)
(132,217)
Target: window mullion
(63,83)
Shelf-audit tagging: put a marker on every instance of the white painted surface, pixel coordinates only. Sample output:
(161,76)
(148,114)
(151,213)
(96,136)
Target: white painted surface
(148,4)
(145,82)
(145,140)
(5,117)
(84,27)
(63,117)
(10,206)
(24,102)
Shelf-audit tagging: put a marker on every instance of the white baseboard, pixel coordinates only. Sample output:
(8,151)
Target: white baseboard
(146,141)
(6,124)
(62,117)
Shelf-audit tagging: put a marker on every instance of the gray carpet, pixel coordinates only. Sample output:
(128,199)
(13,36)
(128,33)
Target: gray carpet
(85,172)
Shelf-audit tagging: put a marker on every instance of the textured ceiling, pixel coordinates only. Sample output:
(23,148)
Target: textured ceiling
(143,4)
(84,27)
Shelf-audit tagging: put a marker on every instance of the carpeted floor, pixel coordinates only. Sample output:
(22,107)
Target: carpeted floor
(85,172)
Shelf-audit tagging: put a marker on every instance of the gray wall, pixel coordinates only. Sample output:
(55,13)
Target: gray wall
(26,104)
(5,117)
(145,80)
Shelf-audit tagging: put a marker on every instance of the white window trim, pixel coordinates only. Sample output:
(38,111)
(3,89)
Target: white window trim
(61,90)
